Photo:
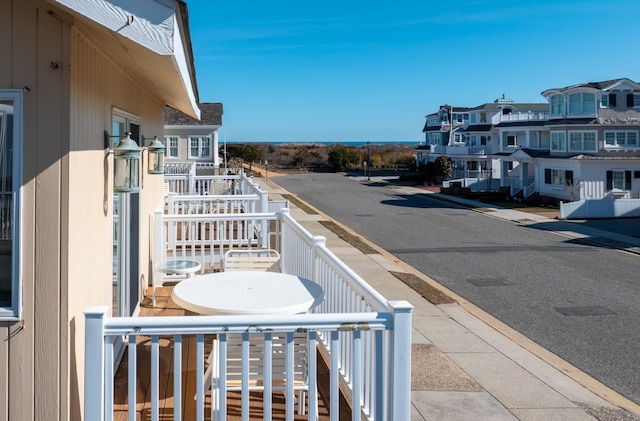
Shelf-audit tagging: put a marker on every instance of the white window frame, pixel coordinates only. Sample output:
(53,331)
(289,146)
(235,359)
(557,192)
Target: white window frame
(615,173)
(604,101)
(636,100)
(512,141)
(14,312)
(619,139)
(558,177)
(558,141)
(582,134)
(581,103)
(557,104)
(200,147)
(168,147)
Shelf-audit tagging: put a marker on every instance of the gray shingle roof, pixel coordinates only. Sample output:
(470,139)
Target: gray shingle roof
(210,115)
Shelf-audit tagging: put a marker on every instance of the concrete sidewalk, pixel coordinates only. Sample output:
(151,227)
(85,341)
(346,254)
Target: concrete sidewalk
(466,365)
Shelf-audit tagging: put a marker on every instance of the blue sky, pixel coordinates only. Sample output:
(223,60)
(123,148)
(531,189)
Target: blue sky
(356,70)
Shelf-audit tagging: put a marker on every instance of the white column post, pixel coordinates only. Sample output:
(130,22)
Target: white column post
(264,228)
(318,241)
(400,389)
(216,155)
(285,249)
(94,352)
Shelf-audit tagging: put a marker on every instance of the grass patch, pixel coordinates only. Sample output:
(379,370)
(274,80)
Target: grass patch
(430,293)
(291,198)
(352,239)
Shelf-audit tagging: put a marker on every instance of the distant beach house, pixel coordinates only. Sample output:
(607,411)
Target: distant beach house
(74,77)
(582,144)
(193,140)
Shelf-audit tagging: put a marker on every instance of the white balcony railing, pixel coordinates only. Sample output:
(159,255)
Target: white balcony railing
(528,116)
(364,337)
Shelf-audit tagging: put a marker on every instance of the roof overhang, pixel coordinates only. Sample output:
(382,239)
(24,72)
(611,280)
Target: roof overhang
(150,41)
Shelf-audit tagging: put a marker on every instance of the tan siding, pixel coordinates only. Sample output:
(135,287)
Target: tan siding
(21,348)
(98,85)
(5,81)
(48,246)
(66,208)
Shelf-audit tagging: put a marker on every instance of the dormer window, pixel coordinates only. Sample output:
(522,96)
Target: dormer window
(582,103)
(604,101)
(557,105)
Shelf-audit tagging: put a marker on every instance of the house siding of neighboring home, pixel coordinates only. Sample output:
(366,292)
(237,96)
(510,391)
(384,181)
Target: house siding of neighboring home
(592,167)
(70,90)
(180,126)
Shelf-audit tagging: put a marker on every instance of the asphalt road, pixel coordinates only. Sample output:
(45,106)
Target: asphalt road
(578,300)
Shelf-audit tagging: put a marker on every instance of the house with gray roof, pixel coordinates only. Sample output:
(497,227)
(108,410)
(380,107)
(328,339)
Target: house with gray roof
(191,140)
(582,144)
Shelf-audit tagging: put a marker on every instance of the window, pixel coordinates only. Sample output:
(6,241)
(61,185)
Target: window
(620,139)
(434,138)
(582,103)
(558,177)
(557,105)
(512,141)
(171,143)
(199,147)
(10,182)
(458,139)
(558,141)
(618,180)
(583,142)
(604,100)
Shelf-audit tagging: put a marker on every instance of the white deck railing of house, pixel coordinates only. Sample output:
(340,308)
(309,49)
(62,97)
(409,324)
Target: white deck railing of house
(529,189)
(528,116)
(197,204)
(367,344)
(206,237)
(390,379)
(187,182)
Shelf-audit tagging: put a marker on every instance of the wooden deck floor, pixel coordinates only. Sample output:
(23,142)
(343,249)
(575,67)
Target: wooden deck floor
(166,307)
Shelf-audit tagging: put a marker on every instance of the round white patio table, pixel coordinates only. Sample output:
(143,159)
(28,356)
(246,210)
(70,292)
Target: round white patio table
(173,267)
(247,292)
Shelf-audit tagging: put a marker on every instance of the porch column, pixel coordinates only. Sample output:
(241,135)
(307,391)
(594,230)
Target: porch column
(216,155)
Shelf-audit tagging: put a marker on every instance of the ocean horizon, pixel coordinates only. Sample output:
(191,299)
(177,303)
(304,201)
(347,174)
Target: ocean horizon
(330,142)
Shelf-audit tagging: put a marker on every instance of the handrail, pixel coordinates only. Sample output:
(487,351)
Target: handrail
(389,381)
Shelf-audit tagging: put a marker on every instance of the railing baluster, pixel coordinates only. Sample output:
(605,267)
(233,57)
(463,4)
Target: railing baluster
(108,376)
(290,400)
(200,377)
(132,377)
(268,376)
(155,368)
(245,377)
(334,385)
(356,375)
(177,377)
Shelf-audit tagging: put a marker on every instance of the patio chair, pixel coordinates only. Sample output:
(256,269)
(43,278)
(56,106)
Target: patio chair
(254,259)
(256,374)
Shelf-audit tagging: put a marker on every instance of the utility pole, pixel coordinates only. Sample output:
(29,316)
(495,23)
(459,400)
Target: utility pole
(368,162)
